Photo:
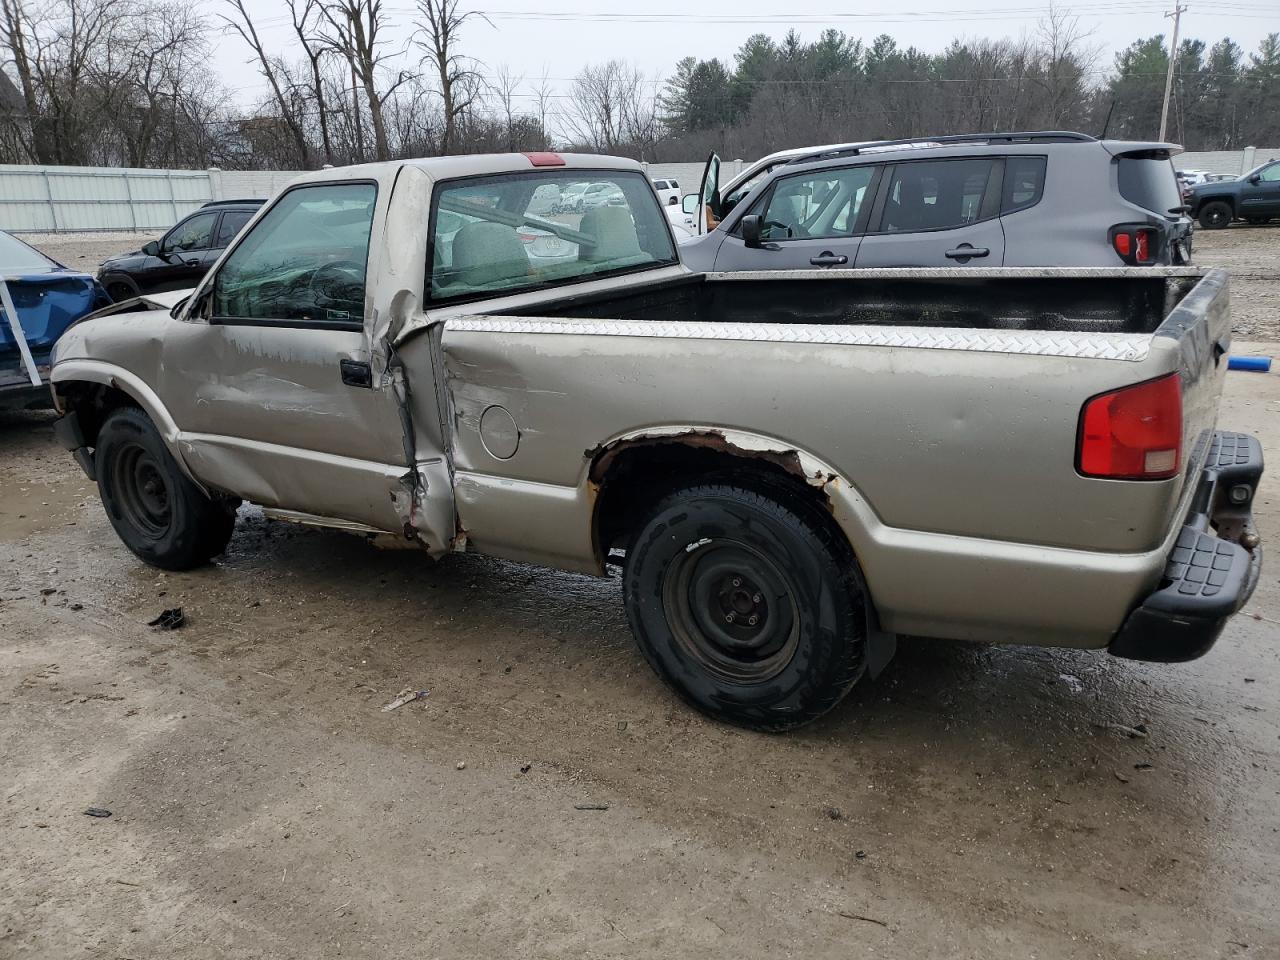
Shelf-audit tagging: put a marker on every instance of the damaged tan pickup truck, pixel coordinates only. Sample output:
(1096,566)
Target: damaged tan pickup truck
(789,469)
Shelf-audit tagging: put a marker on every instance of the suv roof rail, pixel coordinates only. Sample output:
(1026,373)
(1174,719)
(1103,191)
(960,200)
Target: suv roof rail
(224,203)
(1017,136)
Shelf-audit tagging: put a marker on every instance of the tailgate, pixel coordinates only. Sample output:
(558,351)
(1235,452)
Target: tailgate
(1195,338)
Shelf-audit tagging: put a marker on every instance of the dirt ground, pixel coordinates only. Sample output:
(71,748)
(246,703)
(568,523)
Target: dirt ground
(974,802)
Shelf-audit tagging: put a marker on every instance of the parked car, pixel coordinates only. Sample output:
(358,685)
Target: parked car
(789,469)
(571,198)
(1254,198)
(668,191)
(39,300)
(1043,198)
(600,195)
(180,258)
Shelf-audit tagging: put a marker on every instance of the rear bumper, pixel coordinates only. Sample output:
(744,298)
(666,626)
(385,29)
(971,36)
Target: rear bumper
(1214,565)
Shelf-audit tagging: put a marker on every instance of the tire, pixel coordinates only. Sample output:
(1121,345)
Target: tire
(711,556)
(119,290)
(155,509)
(1216,215)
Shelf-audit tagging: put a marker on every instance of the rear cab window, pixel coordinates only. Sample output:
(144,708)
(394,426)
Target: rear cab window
(1148,181)
(486,238)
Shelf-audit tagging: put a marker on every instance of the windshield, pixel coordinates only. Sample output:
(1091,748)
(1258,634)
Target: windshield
(487,235)
(16,256)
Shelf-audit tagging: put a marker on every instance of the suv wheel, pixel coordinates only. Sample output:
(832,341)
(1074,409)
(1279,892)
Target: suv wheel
(156,510)
(1216,215)
(747,604)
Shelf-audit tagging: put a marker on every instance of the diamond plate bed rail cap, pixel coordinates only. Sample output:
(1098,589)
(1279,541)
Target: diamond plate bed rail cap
(1094,346)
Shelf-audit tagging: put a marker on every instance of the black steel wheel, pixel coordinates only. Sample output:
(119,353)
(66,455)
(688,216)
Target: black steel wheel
(157,511)
(1216,215)
(748,603)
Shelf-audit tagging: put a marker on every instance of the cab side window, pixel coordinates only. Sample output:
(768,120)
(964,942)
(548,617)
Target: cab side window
(1270,174)
(817,205)
(304,262)
(935,195)
(194,233)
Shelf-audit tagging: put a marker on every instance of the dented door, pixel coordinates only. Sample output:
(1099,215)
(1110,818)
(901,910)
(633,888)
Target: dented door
(273,383)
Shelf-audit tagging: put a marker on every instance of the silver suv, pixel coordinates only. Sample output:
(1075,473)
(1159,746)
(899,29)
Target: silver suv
(1044,198)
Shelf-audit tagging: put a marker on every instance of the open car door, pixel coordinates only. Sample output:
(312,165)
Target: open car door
(707,214)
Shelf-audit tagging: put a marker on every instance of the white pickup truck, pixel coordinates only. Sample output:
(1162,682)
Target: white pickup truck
(788,468)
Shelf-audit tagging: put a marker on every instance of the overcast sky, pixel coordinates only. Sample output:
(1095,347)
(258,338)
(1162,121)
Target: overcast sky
(561,36)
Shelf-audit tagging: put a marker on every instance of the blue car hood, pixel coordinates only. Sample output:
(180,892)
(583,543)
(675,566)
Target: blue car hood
(48,302)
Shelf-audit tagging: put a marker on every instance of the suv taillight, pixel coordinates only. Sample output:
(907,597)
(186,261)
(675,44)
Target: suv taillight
(1134,433)
(1136,245)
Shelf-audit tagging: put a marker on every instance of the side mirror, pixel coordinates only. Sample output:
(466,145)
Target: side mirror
(751,224)
(689,203)
(152,248)
(1256,178)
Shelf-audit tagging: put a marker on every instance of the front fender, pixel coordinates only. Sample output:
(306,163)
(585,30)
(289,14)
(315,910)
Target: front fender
(84,370)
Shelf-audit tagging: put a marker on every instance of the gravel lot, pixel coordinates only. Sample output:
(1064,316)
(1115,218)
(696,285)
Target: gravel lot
(974,802)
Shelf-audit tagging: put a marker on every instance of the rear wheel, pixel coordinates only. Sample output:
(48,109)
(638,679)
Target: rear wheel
(747,604)
(1216,215)
(155,509)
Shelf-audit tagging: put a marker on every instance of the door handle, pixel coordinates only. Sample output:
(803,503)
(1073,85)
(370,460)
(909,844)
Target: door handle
(356,373)
(966,251)
(193,263)
(828,259)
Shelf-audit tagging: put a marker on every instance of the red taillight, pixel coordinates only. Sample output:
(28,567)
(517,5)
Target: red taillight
(1134,433)
(1136,245)
(1142,248)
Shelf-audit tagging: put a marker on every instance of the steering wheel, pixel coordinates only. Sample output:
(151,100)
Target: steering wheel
(780,225)
(327,281)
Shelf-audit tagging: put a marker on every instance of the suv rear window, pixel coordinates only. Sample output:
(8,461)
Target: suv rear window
(1150,183)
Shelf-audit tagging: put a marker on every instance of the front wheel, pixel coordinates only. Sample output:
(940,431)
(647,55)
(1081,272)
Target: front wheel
(1216,215)
(748,605)
(156,510)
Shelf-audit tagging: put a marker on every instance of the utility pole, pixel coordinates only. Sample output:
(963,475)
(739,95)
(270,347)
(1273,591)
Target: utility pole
(1178,11)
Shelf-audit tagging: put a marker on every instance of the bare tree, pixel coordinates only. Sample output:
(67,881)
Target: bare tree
(271,69)
(610,111)
(460,83)
(505,89)
(304,16)
(542,95)
(356,25)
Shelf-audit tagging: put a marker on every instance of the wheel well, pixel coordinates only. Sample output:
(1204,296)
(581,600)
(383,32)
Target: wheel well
(631,477)
(1223,198)
(92,404)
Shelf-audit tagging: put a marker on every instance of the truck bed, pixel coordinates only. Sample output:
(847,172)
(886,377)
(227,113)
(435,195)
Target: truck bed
(1124,301)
